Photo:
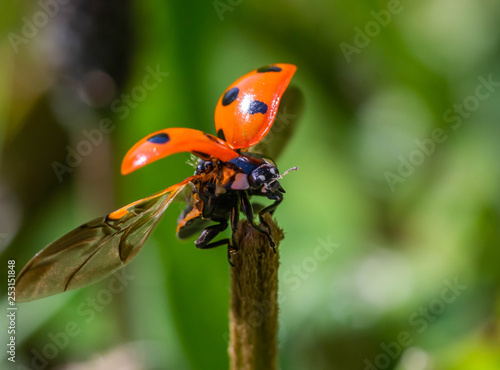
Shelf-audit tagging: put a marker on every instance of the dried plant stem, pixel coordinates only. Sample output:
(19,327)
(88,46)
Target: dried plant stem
(253,315)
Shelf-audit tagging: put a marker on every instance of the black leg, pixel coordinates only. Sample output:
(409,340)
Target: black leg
(235,217)
(232,247)
(248,211)
(218,243)
(278,199)
(203,241)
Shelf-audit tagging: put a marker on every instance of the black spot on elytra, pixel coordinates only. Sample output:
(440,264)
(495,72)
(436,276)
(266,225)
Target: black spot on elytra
(160,138)
(269,68)
(221,135)
(230,96)
(257,107)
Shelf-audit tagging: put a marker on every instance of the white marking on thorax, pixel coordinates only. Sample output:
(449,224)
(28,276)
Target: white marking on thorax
(240,182)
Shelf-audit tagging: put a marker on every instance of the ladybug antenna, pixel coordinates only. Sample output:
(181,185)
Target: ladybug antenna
(279,177)
(284,173)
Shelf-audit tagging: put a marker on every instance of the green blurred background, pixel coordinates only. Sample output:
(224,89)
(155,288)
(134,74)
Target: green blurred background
(398,151)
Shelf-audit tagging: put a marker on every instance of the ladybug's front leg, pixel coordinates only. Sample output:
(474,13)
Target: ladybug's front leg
(248,210)
(278,198)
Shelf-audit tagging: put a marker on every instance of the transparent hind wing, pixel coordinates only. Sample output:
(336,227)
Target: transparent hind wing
(94,250)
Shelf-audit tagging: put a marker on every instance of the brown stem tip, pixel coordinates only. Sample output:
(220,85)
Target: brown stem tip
(253,312)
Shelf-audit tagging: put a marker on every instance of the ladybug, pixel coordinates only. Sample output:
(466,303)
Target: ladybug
(228,173)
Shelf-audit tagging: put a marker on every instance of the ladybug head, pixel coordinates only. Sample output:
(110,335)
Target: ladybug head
(265,178)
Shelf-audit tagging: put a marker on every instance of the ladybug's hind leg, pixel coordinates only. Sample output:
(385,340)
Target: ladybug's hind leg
(233,247)
(203,241)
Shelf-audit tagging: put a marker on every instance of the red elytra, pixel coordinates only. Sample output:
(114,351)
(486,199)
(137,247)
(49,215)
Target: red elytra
(249,117)
(175,140)
(244,114)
